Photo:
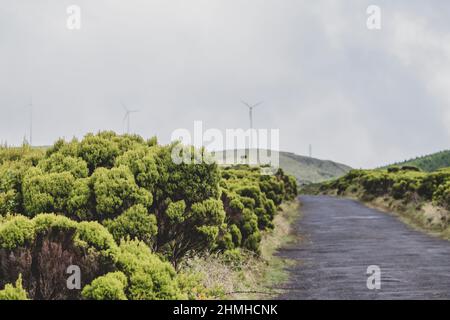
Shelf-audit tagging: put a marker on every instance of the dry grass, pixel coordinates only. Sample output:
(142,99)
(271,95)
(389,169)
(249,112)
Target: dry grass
(225,279)
(435,216)
(424,216)
(249,276)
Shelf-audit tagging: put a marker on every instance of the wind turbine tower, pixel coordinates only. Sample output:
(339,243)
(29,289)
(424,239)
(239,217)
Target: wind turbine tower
(250,112)
(128,112)
(30,105)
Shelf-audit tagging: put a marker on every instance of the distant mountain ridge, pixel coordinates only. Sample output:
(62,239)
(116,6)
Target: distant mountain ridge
(431,162)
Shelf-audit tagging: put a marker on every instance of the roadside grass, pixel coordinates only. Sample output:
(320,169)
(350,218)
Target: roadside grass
(282,234)
(240,274)
(420,216)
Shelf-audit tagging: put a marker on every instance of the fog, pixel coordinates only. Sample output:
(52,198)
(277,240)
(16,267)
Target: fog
(358,96)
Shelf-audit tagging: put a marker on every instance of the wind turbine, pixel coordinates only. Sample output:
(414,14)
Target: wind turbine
(128,112)
(30,105)
(250,111)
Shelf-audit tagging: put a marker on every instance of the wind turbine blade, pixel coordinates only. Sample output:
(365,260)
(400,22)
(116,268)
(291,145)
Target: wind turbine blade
(245,103)
(124,106)
(259,103)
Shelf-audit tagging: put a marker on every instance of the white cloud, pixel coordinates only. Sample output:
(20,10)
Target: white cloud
(426,51)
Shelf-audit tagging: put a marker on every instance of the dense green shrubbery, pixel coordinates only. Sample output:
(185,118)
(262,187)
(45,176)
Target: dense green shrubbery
(108,287)
(250,200)
(24,154)
(16,292)
(51,243)
(134,223)
(126,214)
(442,194)
(149,277)
(11,179)
(402,183)
(42,248)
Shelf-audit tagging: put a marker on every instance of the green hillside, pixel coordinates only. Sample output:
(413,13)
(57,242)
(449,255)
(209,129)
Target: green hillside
(430,162)
(309,170)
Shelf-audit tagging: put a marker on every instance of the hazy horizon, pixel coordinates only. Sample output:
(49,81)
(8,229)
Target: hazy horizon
(364,98)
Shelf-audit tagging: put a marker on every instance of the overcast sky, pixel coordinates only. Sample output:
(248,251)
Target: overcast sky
(361,97)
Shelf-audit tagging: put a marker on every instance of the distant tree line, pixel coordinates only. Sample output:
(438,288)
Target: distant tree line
(429,163)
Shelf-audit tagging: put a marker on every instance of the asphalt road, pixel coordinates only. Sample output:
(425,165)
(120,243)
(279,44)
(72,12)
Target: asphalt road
(341,238)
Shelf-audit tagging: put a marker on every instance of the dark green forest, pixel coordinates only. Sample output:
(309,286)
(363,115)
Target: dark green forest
(430,162)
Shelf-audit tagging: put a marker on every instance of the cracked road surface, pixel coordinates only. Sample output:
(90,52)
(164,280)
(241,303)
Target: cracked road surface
(341,238)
